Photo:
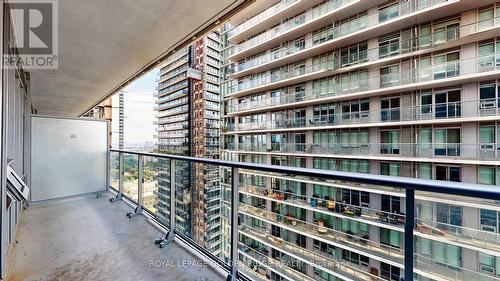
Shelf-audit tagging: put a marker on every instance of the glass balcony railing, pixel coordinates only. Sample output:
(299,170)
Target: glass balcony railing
(299,235)
(449,272)
(266,14)
(340,30)
(444,111)
(342,84)
(300,20)
(407,46)
(327,262)
(328,206)
(276,265)
(359,242)
(423,150)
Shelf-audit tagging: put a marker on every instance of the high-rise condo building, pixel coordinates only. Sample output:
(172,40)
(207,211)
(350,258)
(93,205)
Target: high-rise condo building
(406,88)
(189,124)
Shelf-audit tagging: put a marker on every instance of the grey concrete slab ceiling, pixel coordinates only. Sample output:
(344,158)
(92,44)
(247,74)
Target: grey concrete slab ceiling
(102,43)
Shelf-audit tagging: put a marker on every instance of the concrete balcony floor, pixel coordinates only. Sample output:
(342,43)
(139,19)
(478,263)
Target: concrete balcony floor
(89,238)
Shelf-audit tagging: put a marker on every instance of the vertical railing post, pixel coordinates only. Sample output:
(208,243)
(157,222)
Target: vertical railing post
(120,178)
(171,233)
(121,173)
(140,180)
(409,226)
(140,186)
(108,169)
(170,236)
(235,182)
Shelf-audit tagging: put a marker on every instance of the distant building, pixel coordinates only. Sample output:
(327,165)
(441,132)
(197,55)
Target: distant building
(188,123)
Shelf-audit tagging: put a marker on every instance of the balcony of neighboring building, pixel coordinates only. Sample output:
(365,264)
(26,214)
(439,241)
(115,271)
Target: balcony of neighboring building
(372,20)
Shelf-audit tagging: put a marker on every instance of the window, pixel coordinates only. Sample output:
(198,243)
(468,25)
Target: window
(325,164)
(390,109)
(324,61)
(299,68)
(489,220)
(448,173)
(299,44)
(388,45)
(390,142)
(300,92)
(355,258)
(300,118)
(324,34)
(488,97)
(324,86)
(426,171)
(390,272)
(442,253)
(486,18)
(446,31)
(389,76)
(354,54)
(355,166)
(390,169)
(449,216)
(448,104)
(390,204)
(446,65)
(489,264)
(388,12)
(486,53)
(486,175)
(355,197)
(354,81)
(447,142)
(324,114)
(355,109)
(390,237)
(278,142)
(300,142)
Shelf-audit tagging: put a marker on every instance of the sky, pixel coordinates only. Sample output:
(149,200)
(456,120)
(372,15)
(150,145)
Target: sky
(139,113)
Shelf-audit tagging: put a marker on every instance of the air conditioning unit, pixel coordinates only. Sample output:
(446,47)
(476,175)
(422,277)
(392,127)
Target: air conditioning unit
(488,104)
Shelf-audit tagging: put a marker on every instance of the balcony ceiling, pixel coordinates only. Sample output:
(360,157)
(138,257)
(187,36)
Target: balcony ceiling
(103,43)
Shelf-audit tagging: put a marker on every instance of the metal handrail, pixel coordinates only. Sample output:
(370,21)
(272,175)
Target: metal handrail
(409,184)
(453,188)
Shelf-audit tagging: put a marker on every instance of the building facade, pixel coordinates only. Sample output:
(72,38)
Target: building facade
(404,88)
(189,124)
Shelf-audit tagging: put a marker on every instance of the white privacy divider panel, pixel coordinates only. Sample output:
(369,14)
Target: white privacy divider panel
(68,157)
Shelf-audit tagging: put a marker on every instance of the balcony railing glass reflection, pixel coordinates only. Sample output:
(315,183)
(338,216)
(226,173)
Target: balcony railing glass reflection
(337,228)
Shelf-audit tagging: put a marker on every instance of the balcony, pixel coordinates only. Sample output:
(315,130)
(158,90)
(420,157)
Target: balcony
(307,20)
(74,209)
(376,22)
(447,38)
(438,75)
(92,238)
(453,112)
(255,261)
(271,14)
(447,152)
